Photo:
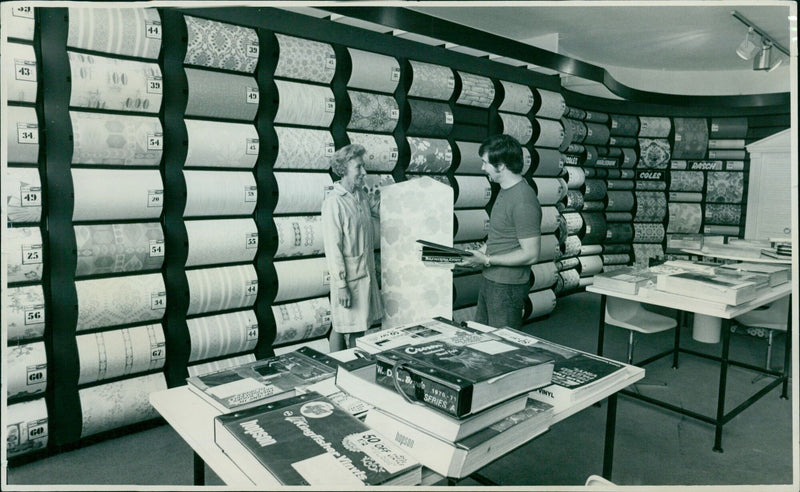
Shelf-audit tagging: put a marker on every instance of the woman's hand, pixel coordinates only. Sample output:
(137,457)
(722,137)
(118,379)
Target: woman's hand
(344,297)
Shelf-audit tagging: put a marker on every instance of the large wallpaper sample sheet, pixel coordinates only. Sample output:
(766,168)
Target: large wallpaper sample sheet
(222,288)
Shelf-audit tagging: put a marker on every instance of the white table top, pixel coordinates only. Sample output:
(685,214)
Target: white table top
(651,295)
(729,256)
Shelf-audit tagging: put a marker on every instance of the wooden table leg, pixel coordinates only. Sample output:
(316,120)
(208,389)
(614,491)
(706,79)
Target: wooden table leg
(611,428)
(199,470)
(723,379)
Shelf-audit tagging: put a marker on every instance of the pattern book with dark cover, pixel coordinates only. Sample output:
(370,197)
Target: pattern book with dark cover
(307,440)
(259,382)
(353,360)
(463,375)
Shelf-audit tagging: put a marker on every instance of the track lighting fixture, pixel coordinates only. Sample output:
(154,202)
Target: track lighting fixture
(748,47)
(765,58)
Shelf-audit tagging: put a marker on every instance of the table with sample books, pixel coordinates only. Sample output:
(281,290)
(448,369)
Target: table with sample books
(450,441)
(719,292)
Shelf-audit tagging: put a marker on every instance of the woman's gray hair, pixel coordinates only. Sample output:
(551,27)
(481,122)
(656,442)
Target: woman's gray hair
(344,155)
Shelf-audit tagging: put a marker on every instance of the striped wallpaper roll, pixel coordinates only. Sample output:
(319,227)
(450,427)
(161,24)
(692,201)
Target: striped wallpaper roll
(305,59)
(215,193)
(304,104)
(372,71)
(24,254)
(117,404)
(221,241)
(297,321)
(217,144)
(120,300)
(299,236)
(301,192)
(120,31)
(222,334)
(119,248)
(222,288)
(303,278)
(111,354)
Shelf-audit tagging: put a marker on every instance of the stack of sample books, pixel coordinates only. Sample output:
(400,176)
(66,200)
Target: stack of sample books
(440,255)
(626,280)
(726,288)
(777,274)
(412,334)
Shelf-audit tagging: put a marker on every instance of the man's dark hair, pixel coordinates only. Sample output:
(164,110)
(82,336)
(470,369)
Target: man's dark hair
(503,149)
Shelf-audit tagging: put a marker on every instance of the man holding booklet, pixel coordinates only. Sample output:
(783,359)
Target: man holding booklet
(514,234)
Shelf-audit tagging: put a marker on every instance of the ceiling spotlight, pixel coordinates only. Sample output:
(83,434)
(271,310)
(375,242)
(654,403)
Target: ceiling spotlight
(763,57)
(778,61)
(747,48)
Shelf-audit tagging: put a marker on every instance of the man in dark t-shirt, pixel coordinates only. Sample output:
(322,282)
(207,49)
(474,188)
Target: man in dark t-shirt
(514,233)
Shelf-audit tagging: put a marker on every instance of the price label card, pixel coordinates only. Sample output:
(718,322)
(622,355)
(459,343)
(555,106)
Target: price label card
(155,141)
(614,124)
(252,333)
(491,92)
(252,50)
(251,240)
(451,82)
(37,429)
(330,105)
(158,300)
(25,70)
(530,99)
(252,146)
(394,114)
(31,196)
(152,29)
(527,159)
(326,277)
(330,61)
(25,12)
(448,118)
(251,288)
(448,156)
(250,193)
(329,150)
(155,198)
(157,351)
(678,137)
(395,75)
(27,133)
(34,315)
(393,154)
(252,96)
(707,230)
(156,248)
(37,374)
(485,225)
(487,193)
(155,85)
(714,127)
(32,255)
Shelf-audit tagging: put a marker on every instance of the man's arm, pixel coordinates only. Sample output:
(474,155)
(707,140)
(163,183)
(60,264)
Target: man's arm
(528,254)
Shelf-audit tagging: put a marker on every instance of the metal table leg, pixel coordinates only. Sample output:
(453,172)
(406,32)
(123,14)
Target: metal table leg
(681,318)
(723,379)
(601,326)
(787,351)
(611,427)
(199,470)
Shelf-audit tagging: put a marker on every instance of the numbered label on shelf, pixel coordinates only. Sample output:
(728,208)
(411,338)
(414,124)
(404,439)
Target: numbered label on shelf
(330,62)
(251,288)
(486,225)
(31,196)
(394,114)
(155,85)
(451,82)
(37,374)
(155,141)
(155,198)
(393,154)
(487,193)
(395,76)
(252,50)
(34,315)
(448,156)
(251,95)
(27,133)
(678,137)
(326,277)
(152,29)
(37,429)
(26,12)
(32,255)
(250,193)
(251,240)
(156,248)
(330,105)
(329,150)
(158,300)
(25,70)
(252,332)
(157,351)
(252,146)
(448,118)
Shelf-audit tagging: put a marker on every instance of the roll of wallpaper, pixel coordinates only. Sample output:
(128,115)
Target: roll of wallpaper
(297,321)
(648,233)
(471,225)
(220,45)
(682,196)
(596,134)
(691,138)
(551,104)
(593,206)
(98,196)
(222,288)
(723,214)
(616,259)
(120,300)
(569,133)
(121,31)
(22,135)
(574,222)
(470,161)
(473,191)
(22,26)
(618,248)
(686,180)
(543,303)
(575,113)
(550,190)
(100,138)
(642,253)
(221,241)
(303,148)
(574,200)
(577,149)
(119,248)
(373,112)
(654,126)
(108,406)
(24,254)
(591,249)
(654,153)
(23,194)
(725,230)
(219,193)
(567,263)
(727,154)
(304,104)
(115,84)
(685,218)
(594,228)
(594,189)
(651,185)
(550,220)
(25,315)
(580,130)
(466,290)
(548,248)
(716,144)
(428,118)
(618,232)
(728,128)
(299,236)
(517,98)
(518,126)
(305,59)
(526,160)
(549,133)
(22,74)
(623,141)
(590,265)
(222,334)
(619,184)
(431,81)
(302,278)
(619,216)
(572,247)
(596,117)
(475,90)
(429,155)
(372,71)
(629,158)
(111,354)
(575,177)
(570,280)
(218,365)
(544,275)
(725,187)
(381,150)
(651,206)
(216,144)
(26,427)
(590,158)
(549,162)
(619,201)
(26,370)
(301,192)
(624,125)
(734,165)
(222,95)
(627,174)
